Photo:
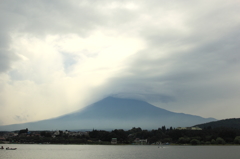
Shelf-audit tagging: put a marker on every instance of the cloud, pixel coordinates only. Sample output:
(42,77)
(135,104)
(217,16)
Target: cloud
(59,56)
(58,68)
(194,63)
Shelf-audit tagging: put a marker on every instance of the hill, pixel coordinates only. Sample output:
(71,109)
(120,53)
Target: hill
(226,123)
(115,113)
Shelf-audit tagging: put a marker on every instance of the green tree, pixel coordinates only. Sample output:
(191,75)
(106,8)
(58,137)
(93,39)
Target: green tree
(195,142)
(165,140)
(219,140)
(183,140)
(164,128)
(135,130)
(237,140)
(153,139)
(213,142)
(120,135)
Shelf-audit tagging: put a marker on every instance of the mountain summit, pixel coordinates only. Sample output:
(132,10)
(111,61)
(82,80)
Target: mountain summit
(115,113)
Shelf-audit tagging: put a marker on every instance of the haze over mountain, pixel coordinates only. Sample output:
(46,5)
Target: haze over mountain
(114,113)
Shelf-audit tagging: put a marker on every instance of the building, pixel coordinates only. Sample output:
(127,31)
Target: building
(188,128)
(140,141)
(196,128)
(2,139)
(114,141)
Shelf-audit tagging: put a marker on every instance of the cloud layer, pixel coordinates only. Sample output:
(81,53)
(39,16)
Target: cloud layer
(59,56)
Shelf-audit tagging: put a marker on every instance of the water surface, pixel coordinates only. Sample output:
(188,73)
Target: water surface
(119,152)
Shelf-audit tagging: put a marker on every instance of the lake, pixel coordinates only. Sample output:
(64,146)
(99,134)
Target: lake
(118,152)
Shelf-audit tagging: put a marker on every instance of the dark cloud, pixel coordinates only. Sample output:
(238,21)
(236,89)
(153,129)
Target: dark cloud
(187,69)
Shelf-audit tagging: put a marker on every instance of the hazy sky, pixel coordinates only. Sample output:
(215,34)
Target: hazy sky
(61,55)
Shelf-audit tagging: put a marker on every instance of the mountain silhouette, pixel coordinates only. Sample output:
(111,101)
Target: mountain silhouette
(114,113)
(232,123)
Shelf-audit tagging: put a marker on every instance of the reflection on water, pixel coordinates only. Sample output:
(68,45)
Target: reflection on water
(116,152)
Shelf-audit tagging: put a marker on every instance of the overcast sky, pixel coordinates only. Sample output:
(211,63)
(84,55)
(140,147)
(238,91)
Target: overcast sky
(61,55)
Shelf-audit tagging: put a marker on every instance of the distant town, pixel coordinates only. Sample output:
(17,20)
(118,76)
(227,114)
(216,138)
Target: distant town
(163,135)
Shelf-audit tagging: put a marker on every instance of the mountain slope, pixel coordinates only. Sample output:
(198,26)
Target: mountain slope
(115,113)
(226,123)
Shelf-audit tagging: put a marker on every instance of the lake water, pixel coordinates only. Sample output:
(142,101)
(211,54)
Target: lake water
(119,152)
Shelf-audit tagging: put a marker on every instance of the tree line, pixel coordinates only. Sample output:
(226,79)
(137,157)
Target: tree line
(206,136)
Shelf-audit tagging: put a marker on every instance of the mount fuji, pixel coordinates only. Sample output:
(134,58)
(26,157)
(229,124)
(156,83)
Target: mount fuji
(114,113)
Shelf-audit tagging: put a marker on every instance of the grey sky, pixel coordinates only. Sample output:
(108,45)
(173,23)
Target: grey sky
(59,56)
